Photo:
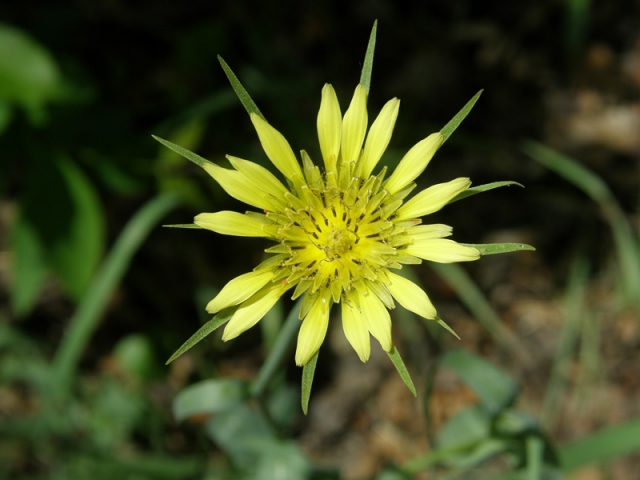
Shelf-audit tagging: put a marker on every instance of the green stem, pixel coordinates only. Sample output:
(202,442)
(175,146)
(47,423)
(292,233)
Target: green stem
(278,352)
(93,304)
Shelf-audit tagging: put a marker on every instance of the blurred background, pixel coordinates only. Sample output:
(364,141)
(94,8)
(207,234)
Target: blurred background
(95,296)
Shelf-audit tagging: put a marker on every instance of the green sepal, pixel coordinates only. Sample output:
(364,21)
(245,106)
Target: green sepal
(442,323)
(494,248)
(183,225)
(307,381)
(192,157)
(367,66)
(219,319)
(402,370)
(450,127)
(244,97)
(483,188)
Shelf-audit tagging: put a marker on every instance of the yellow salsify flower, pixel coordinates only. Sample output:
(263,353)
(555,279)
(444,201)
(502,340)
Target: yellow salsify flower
(340,232)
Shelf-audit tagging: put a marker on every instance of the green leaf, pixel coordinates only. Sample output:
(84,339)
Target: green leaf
(219,319)
(75,257)
(184,225)
(29,75)
(282,460)
(601,446)
(626,246)
(494,248)
(402,370)
(367,66)
(30,268)
(446,327)
(495,389)
(244,97)
(466,428)
(307,381)
(483,188)
(192,157)
(95,300)
(209,397)
(450,127)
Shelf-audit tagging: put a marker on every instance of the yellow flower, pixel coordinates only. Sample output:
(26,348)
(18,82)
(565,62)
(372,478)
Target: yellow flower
(339,231)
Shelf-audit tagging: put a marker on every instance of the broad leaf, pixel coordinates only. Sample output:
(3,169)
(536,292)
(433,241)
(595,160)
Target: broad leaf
(209,397)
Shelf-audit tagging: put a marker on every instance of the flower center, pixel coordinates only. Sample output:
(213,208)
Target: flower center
(336,236)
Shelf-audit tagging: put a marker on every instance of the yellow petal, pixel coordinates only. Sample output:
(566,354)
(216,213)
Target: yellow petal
(235,184)
(411,296)
(314,329)
(378,138)
(232,223)
(432,199)
(329,127)
(252,310)
(239,289)
(425,232)
(277,148)
(356,331)
(442,251)
(376,317)
(414,162)
(260,177)
(354,126)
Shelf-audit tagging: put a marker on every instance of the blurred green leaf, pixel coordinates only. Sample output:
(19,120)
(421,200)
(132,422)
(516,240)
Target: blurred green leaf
(402,370)
(601,446)
(209,397)
(75,257)
(5,118)
(493,248)
(219,319)
(29,75)
(135,355)
(241,432)
(495,389)
(95,300)
(29,270)
(450,127)
(590,183)
(282,461)
(483,188)
(467,427)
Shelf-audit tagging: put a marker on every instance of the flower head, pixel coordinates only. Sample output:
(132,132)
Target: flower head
(339,231)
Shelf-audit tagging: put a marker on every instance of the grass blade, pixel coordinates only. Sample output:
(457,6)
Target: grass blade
(93,304)
(192,157)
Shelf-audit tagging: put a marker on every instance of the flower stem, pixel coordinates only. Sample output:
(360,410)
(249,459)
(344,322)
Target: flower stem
(280,348)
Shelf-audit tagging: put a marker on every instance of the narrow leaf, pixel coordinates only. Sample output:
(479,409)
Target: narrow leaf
(483,188)
(192,157)
(367,67)
(493,248)
(602,446)
(307,381)
(183,225)
(219,319)
(450,127)
(244,97)
(446,327)
(402,370)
